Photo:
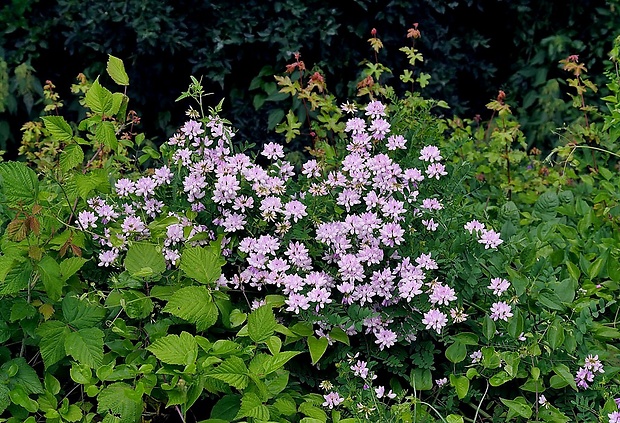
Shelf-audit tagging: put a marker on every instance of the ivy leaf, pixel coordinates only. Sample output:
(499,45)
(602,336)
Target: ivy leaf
(120,401)
(175,349)
(52,344)
(58,127)
(116,70)
(81,314)
(194,304)
(20,184)
(233,371)
(86,346)
(261,324)
(203,264)
(143,260)
(71,156)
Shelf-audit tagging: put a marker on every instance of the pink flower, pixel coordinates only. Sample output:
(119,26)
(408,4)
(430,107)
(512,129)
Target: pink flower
(333,399)
(435,319)
(385,338)
(499,286)
(474,225)
(273,151)
(500,311)
(430,153)
(490,239)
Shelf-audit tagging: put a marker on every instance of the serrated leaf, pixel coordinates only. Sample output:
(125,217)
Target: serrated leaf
(86,346)
(144,260)
(81,314)
(71,156)
(278,360)
(70,267)
(203,264)
(121,401)
(25,376)
(19,183)
(194,304)
(99,99)
(175,349)
(106,135)
(251,406)
(226,408)
(5,400)
(116,70)
(52,344)
(261,324)
(49,270)
(58,127)
(233,371)
(17,278)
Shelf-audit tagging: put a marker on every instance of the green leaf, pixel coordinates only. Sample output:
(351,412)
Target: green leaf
(555,334)
(136,304)
(86,346)
(106,135)
(70,266)
(19,183)
(49,270)
(317,348)
(71,156)
(58,127)
(460,384)
(73,414)
(81,314)
(278,360)
(564,373)
(453,418)
(203,264)
(226,408)
(24,376)
(144,260)
(194,304)
(261,324)
(119,399)
(20,397)
(519,406)
(99,99)
(233,371)
(499,378)
(175,349)
(339,335)
(421,379)
(251,406)
(116,70)
(456,352)
(5,399)
(52,345)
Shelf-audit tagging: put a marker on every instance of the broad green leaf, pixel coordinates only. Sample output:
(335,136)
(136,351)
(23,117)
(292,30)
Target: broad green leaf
(121,400)
(175,349)
(49,270)
(278,360)
(453,418)
(564,373)
(251,406)
(519,407)
(17,277)
(58,127)
(499,378)
(555,334)
(20,397)
(202,264)
(70,266)
(194,304)
(81,314)
(339,335)
(261,324)
(144,260)
(311,410)
(52,345)
(226,408)
(5,400)
(274,344)
(421,379)
(25,376)
(73,414)
(136,304)
(116,70)
(71,156)
(456,352)
(99,99)
(106,135)
(285,405)
(19,183)
(233,371)
(460,384)
(317,348)
(86,346)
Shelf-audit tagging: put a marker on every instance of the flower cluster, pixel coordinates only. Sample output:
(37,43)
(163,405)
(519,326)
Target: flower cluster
(585,375)
(330,237)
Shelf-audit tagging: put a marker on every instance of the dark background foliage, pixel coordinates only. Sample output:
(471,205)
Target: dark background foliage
(472,49)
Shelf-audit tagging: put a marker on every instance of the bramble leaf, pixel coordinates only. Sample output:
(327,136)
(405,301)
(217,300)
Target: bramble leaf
(143,260)
(71,156)
(86,346)
(175,349)
(52,345)
(194,304)
(261,324)
(121,401)
(202,264)
(116,70)
(58,127)
(19,183)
